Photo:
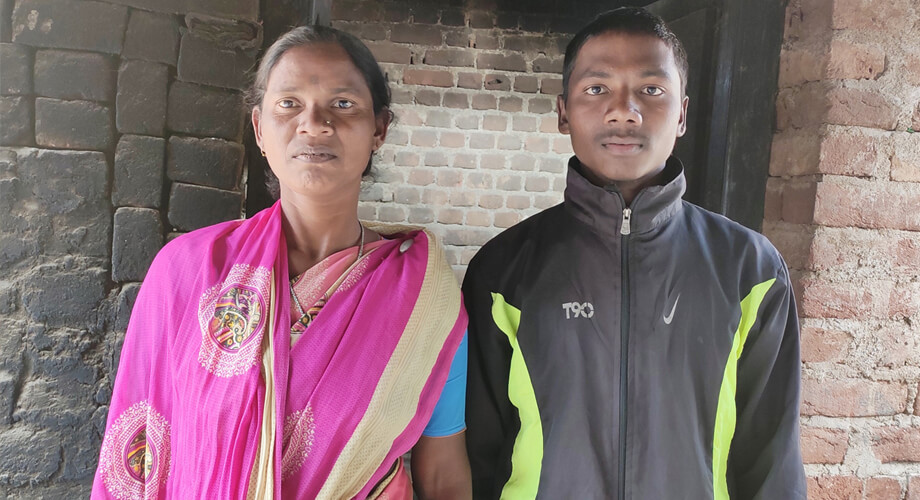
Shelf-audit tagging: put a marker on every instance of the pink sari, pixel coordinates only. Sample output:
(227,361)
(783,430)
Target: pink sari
(352,395)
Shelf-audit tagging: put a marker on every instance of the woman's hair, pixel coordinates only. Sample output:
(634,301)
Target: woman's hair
(301,36)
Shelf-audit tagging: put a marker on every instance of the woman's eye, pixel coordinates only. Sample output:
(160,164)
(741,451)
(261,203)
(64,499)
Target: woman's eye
(594,90)
(653,90)
(286,103)
(343,104)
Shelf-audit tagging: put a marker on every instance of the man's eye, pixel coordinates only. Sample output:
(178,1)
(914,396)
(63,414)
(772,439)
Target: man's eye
(594,90)
(343,104)
(286,103)
(653,90)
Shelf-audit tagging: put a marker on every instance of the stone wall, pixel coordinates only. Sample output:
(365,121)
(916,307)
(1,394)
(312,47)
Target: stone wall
(475,147)
(121,123)
(843,206)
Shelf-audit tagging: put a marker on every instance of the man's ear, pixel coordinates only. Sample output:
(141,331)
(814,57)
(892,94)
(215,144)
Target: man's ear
(257,125)
(682,124)
(381,125)
(563,119)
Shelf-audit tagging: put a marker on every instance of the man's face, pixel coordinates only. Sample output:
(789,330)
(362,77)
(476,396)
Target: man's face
(624,108)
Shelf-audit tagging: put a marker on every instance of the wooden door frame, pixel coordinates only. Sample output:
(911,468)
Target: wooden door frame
(750,36)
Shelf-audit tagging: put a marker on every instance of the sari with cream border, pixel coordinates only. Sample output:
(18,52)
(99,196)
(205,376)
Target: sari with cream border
(191,397)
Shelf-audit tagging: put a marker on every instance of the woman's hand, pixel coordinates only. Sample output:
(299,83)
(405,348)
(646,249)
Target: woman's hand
(441,469)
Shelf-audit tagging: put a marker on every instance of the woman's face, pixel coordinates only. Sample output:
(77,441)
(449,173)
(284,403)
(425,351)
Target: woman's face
(316,124)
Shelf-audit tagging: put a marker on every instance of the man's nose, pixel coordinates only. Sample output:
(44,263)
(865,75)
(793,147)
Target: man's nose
(622,108)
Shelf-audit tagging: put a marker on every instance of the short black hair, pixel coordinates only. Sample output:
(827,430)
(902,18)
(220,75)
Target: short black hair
(301,36)
(631,20)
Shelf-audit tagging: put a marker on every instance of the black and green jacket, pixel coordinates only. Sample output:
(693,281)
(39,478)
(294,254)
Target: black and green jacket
(644,353)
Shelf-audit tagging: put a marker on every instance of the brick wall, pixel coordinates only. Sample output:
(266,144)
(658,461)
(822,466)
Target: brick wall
(121,122)
(475,148)
(843,205)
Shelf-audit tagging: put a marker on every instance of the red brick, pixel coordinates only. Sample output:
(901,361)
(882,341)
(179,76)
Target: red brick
(792,240)
(356,10)
(854,61)
(522,163)
(386,52)
(465,161)
(848,106)
(896,345)
(905,160)
(835,488)
(536,184)
(820,345)
(490,201)
(435,197)
(509,182)
(428,77)
(801,107)
(807,19)
(407,159)
(915,119)
(435,159)
(509,142)
(551,86)
(410,117)
(421,215)
(503,62)
(896,444)
(462,199)
(438,118)
(799,66)
(424,138)
(891,15)
(861,203)
(449,57)
(391,213)
(416,33)
(911,72)
(851,152)
(562,145)
(538,106)
(917,412)
(495,122)
(469,81)
(913,484)
(549,125)
(458,38)
(456,100)
(545,64)
(479,180)
(450,216)
(799,201)
(482,141)
(536,144)
(529,43)
(420,177)
(794,152)
(852,398)
(518,202)
(481,19)
(905,301)
(492,161)
(773,201)
(484,42)
(545,201)
(846,300)
(511,104)
(428,97)
(883,488)
(453,139)
(484,101)
(507,219)
(824,446)
(497,82)
(908,253)
(407,195)
(528,84)
(524,123)
(850,250)
(479,218)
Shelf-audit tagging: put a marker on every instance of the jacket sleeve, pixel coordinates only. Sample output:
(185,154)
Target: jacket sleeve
(490,418)
(765,461)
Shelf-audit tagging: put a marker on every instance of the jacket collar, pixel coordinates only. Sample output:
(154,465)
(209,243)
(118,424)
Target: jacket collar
(602,207)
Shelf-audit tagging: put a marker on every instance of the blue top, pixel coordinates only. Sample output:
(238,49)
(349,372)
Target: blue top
(449,416)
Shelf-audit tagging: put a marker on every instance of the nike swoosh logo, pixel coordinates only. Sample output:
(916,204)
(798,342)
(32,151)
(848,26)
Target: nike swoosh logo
(670,316)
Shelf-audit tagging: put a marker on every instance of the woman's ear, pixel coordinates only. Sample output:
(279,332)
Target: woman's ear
(257,125)
(381,125)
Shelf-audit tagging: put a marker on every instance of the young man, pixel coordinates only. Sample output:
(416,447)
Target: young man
(627,344)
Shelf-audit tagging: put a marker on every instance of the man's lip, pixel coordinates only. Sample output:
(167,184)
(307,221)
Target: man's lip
(624,147)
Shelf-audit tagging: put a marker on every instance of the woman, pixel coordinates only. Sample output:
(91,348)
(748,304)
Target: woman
(300,353)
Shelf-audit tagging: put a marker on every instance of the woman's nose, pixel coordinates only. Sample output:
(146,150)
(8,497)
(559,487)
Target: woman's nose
(313,121)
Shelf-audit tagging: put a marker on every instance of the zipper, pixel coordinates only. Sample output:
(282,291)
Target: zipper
(625,230)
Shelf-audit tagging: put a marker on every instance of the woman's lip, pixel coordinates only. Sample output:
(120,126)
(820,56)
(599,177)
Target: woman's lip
(315,157)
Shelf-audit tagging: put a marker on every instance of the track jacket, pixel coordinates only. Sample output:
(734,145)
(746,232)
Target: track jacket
(644,353)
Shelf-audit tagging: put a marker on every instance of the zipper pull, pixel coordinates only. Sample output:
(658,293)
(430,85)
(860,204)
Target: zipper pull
(624,228)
